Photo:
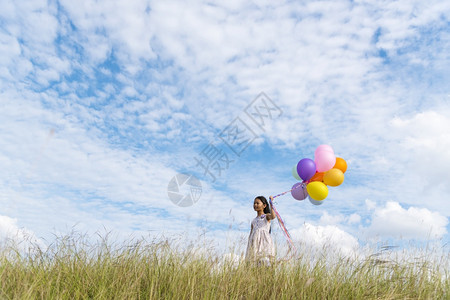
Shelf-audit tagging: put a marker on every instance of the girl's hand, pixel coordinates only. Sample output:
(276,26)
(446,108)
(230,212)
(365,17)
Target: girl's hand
(272,214)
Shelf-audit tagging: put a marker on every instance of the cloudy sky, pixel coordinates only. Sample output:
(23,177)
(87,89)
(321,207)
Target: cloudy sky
(102,103)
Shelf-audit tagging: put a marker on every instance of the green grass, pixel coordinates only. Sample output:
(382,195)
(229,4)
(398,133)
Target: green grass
(71,268)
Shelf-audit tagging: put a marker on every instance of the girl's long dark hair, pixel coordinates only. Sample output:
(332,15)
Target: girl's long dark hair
(264,201)
(267,209)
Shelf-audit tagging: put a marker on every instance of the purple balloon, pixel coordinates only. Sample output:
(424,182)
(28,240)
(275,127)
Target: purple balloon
(299,191)
(306,168)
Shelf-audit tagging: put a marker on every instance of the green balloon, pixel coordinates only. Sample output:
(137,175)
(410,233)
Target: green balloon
(295,174)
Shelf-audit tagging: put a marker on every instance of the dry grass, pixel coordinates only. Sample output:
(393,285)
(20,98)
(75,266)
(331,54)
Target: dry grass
(71,268)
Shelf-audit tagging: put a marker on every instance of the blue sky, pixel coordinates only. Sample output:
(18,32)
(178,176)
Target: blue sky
(103,103)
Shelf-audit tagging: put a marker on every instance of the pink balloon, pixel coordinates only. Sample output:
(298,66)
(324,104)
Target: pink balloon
(323,148)
(324,160)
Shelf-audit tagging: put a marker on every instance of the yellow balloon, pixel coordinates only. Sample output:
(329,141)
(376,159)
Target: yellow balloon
(333,177)
(317,190)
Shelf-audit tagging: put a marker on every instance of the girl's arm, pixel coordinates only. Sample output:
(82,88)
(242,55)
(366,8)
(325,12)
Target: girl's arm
(272,215)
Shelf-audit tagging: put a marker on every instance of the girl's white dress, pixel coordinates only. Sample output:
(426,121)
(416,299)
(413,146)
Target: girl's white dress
(260,244)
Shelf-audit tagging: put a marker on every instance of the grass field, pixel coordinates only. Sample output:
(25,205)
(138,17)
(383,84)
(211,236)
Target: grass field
(71,268)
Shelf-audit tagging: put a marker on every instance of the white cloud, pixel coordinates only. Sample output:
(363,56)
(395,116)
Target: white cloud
(370,204)
(327,239)
(123,25)
(354,219)
(184,72)
(423,159)
(328,219)
(426,141)
(56,168)
(21,239)
(393,221)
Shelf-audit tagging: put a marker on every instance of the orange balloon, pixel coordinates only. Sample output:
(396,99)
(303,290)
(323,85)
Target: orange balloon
(317,177)
(340,164)
(333,177)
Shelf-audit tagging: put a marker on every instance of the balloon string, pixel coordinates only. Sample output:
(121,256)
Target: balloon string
(281,223)
(283,193)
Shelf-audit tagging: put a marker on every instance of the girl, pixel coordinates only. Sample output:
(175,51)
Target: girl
(260,246)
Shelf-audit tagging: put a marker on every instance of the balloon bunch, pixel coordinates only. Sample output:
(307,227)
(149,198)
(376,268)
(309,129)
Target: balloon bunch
(325,170)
